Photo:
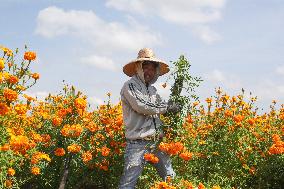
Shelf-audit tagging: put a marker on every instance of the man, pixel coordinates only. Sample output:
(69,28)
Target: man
(141,109)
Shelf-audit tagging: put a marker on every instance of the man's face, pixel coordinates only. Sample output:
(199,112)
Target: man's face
(149,69)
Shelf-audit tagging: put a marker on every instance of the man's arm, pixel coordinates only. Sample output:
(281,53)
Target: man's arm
(141,103)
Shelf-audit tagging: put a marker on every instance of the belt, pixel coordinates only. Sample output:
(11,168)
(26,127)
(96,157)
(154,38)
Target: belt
(148,138)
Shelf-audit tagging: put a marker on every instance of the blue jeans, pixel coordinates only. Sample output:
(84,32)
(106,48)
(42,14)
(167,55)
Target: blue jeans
(134,163)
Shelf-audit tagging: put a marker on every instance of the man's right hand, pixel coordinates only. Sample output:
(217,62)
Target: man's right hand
(173,107)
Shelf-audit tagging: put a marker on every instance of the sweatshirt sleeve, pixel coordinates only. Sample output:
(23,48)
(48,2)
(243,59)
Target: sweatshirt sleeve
(141,103)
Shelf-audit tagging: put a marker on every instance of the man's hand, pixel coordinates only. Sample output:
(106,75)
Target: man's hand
(173,107)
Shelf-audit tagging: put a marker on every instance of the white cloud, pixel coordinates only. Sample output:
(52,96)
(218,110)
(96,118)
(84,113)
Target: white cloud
(280,70)
(206,34)
(270,90)
(103,35)
(179,11)
(100,62)
(219,78)
(195,13)
(95,100)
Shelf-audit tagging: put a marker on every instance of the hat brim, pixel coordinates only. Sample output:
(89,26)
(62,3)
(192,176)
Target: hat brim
(130,68)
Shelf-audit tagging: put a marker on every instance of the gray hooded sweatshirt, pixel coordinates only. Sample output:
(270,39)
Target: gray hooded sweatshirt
(141,106)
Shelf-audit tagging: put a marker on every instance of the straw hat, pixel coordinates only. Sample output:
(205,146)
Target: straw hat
(145,54)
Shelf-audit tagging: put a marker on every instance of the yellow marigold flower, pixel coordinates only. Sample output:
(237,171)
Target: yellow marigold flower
(195,103)
(7,51)
(19,143)
(35,170)
(59,152)
(30,56)
(35,76)
(80,103)
(21,109)
(2,64)
(209,100)
(20,87)
(10,94)
(11,172)
(8,183)
(37,156)
(36,137)
(87,156)
(6,75)
(4,109)
(74,148)
(216,187)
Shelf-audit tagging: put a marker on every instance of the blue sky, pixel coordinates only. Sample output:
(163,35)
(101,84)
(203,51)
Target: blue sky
(231,44)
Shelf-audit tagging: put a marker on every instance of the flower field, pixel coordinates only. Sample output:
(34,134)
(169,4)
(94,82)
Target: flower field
(222,142)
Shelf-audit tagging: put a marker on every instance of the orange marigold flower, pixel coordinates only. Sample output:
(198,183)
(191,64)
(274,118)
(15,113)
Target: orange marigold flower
(72,130)
(13,79)
(87,156)
(10,95)
(5,147)
(45,138)
(201,186)
(35,76)
(228,113)
(176,148)
(19,143)
(35,170)
(238,118)
(164,146)
(186,156)
(74,148)
(92,127)
(56,121)
(251,121)
(4,109)
(189,119)
(30,56)
(11,172)
(105,151)
(59,152)
(252,170)
(277,146)
(151,158)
